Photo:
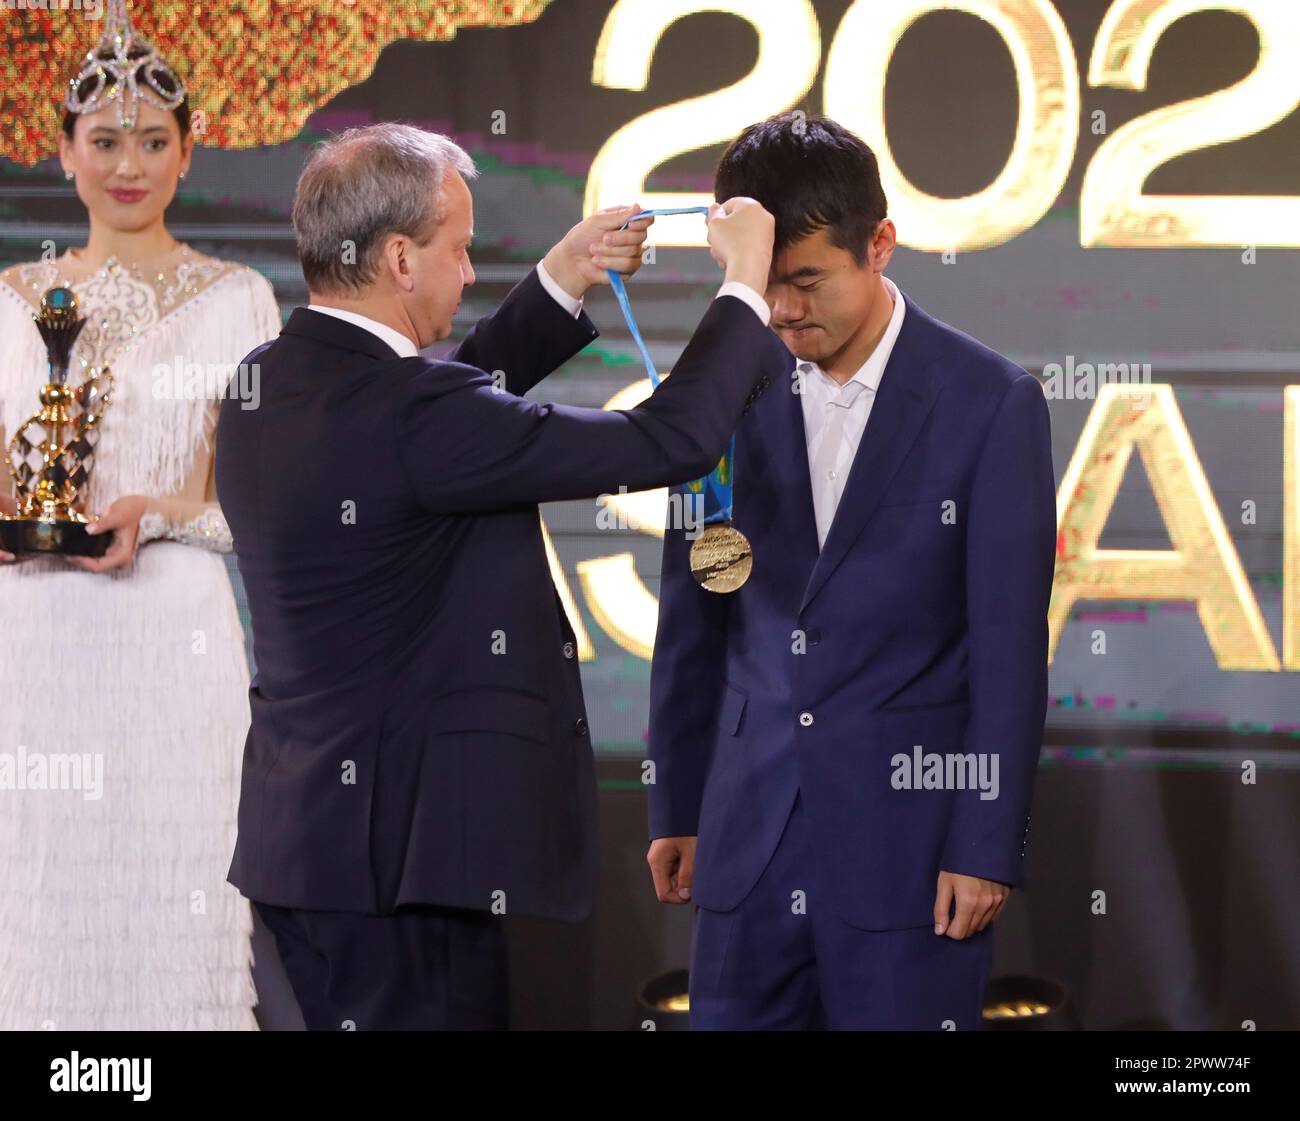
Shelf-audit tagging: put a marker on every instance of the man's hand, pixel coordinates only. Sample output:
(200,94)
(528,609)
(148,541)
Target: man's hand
(596,244)
(741,233)
(978,902)
(672,863)
(122,519)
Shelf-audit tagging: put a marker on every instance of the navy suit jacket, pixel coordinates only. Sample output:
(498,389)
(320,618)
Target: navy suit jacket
(918,623)
(418,732)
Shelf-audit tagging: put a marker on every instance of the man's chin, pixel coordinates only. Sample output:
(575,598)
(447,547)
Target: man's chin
(807,346)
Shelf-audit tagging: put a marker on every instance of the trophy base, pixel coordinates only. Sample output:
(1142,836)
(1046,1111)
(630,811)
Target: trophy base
(25,536)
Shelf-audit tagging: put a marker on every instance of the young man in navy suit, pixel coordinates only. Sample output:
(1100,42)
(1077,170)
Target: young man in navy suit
(844,748)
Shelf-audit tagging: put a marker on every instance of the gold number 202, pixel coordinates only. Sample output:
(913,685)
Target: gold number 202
(1113,211)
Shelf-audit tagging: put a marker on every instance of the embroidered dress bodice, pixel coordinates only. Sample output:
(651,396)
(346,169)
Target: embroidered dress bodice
(156,436)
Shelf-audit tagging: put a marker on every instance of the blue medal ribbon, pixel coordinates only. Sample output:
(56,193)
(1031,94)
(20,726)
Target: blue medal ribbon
(720,480)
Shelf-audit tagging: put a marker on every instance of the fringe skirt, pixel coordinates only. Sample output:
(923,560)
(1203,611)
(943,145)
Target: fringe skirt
(122,721)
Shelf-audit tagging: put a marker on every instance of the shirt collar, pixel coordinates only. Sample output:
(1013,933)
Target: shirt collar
(402,346)
(871,371)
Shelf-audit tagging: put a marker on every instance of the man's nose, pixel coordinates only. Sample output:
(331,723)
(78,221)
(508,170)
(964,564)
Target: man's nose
(467,273)
(785,308)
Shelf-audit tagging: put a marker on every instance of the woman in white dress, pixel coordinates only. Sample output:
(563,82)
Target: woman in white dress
(124,678)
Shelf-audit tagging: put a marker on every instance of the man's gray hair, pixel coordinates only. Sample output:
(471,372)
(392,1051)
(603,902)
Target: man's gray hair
(363,186)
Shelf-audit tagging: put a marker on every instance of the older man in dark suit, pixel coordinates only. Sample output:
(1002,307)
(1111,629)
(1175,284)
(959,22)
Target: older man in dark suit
(419,761)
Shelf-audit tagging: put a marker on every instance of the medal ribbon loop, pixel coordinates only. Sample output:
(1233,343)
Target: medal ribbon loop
(720,480)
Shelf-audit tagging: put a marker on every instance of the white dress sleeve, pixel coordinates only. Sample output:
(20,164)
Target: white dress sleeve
(248,317)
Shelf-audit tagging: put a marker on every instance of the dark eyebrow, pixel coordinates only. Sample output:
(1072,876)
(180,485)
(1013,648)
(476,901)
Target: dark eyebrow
(805,273)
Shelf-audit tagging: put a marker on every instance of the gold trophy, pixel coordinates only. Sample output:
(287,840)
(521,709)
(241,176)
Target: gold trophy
(52,453)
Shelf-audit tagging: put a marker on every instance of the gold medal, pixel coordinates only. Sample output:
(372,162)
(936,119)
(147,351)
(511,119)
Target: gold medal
(721,558)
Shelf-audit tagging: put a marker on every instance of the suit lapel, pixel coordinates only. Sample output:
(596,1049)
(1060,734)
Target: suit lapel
(907,392)
(773,493)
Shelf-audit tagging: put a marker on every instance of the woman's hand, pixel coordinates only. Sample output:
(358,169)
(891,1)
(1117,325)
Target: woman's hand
(122,519)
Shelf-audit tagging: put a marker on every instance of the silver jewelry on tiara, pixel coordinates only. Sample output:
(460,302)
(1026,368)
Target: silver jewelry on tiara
(124,67)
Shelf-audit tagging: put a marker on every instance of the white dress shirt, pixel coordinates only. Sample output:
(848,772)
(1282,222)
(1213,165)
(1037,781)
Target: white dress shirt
(835,416)
(406,348)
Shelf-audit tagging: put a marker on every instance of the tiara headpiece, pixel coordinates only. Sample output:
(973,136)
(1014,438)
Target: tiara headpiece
(125,67)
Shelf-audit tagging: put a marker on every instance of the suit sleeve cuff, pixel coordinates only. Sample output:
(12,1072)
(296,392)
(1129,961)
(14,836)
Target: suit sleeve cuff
(571,304)
(752,298)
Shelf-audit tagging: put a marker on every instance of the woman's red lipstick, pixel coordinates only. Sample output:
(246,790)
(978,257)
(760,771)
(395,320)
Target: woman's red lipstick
(124,195)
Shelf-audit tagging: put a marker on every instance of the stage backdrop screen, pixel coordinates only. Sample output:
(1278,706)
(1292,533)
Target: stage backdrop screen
(1104,192)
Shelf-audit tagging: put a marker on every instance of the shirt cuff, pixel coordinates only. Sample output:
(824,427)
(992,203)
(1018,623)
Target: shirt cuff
(571,304)
(752,298)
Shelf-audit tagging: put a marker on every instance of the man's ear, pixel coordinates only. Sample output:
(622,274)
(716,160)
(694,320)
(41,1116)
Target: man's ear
(398,262)
(882,244)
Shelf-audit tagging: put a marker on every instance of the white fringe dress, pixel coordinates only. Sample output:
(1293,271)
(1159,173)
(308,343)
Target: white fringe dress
(124,704)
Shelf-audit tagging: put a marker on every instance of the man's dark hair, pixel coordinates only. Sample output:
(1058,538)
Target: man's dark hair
(809,173)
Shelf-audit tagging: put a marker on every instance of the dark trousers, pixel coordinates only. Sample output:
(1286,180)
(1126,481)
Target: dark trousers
(784,959)
(422,968)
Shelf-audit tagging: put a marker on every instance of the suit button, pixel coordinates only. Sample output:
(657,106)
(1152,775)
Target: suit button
(569,650)
(805,718)
(814,637)
(580,726)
